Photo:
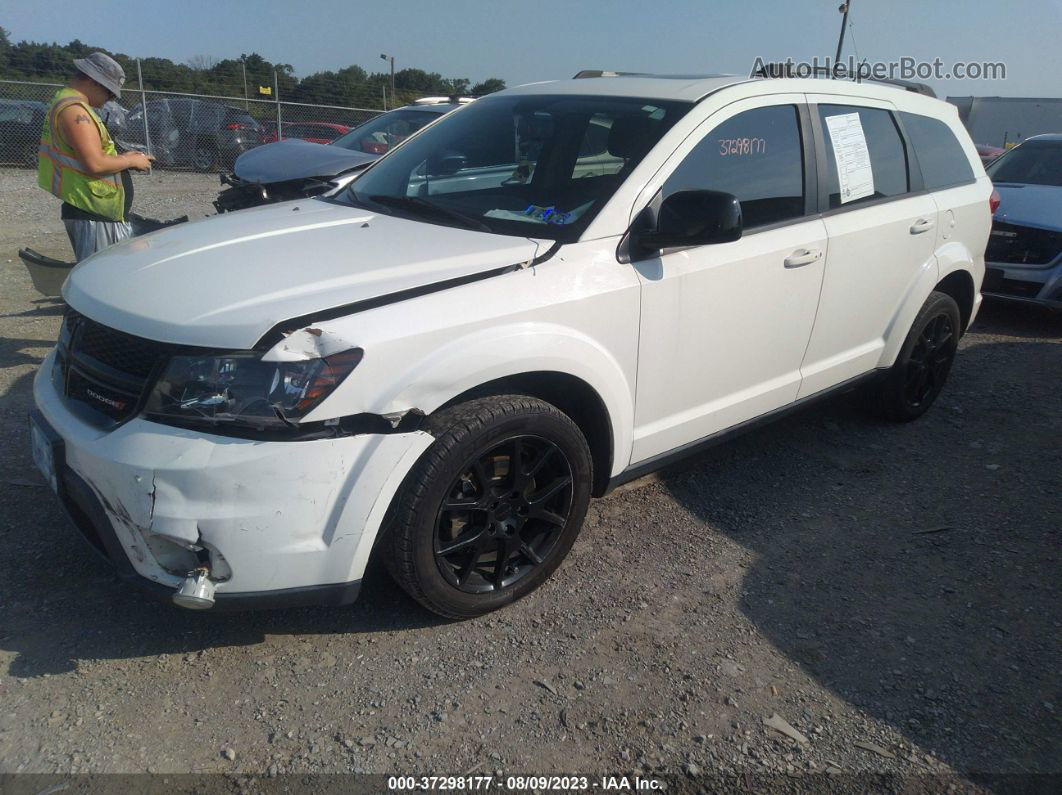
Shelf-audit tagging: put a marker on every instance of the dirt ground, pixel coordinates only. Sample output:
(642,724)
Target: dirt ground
(892,592)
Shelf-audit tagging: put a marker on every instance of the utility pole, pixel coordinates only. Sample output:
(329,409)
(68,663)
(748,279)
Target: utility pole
(276,92)
(391,58)
(843,8)
(246,103)
(144,105)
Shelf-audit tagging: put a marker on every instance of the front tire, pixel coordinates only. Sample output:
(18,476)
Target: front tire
(205,158)
(492,507)
(922,366)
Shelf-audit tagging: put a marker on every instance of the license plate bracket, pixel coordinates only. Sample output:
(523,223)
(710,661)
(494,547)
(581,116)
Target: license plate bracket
(47,447)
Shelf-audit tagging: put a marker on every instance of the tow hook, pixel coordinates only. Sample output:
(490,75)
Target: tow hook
(197,590)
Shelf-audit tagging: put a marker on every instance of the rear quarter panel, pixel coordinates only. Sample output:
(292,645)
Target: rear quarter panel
(963,226)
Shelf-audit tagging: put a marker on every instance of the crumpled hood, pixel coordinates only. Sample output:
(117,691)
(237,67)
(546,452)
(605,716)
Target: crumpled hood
(224,281)
(295,159)
(1030,205)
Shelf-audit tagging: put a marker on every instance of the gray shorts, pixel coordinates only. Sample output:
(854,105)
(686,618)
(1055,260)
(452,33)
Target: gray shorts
(88,237)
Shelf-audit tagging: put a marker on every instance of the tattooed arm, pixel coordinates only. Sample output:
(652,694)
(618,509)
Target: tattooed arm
(79,130)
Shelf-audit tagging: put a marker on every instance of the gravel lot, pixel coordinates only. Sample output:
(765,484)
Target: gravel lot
(893,593)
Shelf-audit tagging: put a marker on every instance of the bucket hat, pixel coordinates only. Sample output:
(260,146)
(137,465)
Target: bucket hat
(104,70)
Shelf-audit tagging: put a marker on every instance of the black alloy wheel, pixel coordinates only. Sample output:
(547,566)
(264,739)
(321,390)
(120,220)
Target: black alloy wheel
(492,507)
(923,363)
(503,514)
(930,361)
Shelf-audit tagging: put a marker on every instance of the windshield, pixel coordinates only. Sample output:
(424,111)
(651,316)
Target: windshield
(1032,163)
(378,135)
(536,166)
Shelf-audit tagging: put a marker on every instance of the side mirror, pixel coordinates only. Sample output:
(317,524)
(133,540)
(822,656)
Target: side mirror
(694,218)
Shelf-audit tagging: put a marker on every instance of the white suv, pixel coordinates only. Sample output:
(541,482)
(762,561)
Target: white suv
(546,293)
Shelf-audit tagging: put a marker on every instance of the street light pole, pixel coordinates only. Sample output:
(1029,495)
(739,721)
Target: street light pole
(843,8)
(391,58)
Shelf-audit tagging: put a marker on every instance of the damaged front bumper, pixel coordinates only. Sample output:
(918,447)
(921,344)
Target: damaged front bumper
(275,523)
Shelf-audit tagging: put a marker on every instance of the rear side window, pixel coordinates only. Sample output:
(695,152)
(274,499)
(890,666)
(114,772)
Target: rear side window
(236,116)
(940,155)
(757,156)
(181,112)
(865,155)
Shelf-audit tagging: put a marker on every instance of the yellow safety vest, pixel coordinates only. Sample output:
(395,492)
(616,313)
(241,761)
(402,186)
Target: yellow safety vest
(61,173)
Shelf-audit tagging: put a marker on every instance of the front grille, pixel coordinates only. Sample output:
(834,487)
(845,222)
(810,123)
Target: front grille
(122,352)
(1022,245)
(105,369)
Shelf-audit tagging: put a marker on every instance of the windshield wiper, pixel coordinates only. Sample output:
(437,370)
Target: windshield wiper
(427,208)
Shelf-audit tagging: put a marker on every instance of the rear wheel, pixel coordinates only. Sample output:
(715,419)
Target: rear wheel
(922,366)
(205,157)
(492,507)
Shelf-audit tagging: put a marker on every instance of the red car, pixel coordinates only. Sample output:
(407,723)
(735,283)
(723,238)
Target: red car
(988,153)
(317,132)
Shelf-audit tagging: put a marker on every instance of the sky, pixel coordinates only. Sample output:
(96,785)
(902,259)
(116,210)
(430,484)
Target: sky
(523,42)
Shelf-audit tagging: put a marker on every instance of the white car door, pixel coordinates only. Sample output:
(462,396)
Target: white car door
(724,327)
(882,238)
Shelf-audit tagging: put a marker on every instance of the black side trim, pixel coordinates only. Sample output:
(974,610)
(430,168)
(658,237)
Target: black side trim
(812,158)
(915,179)
(660,461)
(285,327)
(549,252)
(38,259)
(351,425)
(332,595)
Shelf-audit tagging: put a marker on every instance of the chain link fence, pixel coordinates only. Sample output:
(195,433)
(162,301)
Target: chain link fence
(182,131)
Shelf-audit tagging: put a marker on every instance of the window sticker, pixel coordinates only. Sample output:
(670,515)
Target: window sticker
(854,174)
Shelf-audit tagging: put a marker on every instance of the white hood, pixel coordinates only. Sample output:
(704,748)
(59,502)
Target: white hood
(226,280)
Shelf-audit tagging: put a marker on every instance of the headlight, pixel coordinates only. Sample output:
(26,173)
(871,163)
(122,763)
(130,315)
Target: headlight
(240,388)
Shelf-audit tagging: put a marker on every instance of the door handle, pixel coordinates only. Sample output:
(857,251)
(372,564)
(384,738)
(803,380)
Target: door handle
(802,257)
(922,225)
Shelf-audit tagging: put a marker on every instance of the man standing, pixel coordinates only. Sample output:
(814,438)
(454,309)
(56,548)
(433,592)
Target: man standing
(78,162)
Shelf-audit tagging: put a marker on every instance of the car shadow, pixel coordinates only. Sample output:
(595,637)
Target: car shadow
(137,626)
(913,569)
(14,352)
(42,307)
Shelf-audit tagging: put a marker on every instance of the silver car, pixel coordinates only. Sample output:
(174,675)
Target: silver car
(1024,255)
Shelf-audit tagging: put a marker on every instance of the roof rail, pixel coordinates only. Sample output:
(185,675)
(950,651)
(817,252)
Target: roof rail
(453,100)
(605,73)
(776,70)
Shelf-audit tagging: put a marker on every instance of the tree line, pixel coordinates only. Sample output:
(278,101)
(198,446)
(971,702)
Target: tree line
(247,75)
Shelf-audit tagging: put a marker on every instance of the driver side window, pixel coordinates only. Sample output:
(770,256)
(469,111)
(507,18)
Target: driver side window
(758,157)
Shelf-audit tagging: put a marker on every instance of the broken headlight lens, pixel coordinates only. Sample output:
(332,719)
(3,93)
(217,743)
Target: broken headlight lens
(242,389)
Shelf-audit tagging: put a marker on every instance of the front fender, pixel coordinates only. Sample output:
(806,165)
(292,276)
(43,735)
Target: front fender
(491,354)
